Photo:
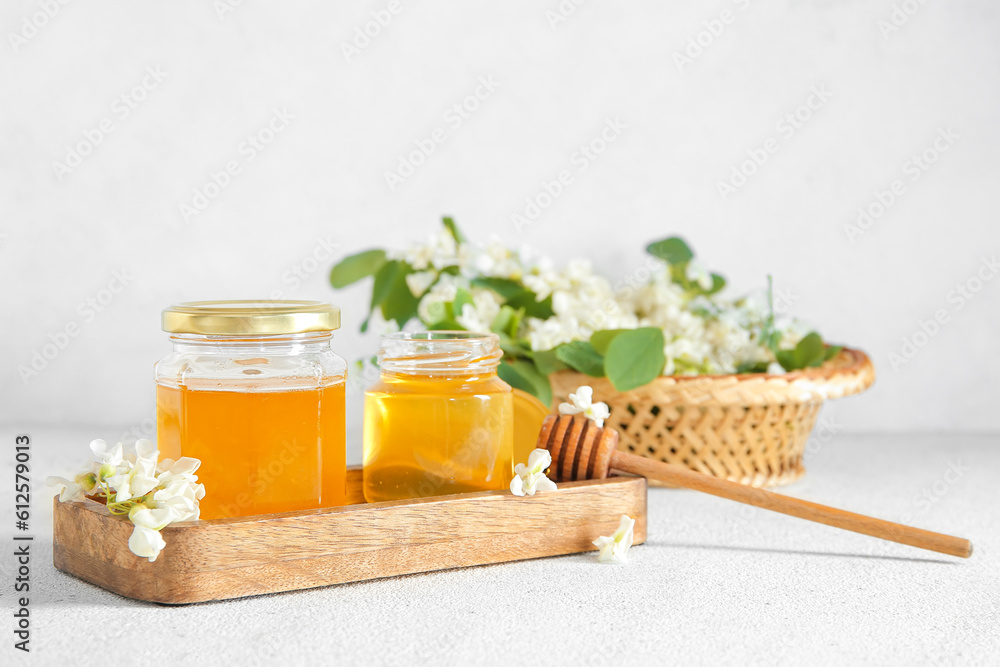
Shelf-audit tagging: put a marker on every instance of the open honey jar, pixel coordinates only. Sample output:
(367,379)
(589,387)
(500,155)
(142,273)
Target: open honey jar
(255,392)
(439,420)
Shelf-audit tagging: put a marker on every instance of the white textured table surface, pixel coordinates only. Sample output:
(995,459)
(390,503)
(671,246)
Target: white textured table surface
(715,583)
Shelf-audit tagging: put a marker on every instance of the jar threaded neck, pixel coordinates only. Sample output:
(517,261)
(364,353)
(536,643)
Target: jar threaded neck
(439,353)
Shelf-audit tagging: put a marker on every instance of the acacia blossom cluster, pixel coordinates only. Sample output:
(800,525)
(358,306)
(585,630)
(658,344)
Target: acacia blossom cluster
(703,334)
(136,483)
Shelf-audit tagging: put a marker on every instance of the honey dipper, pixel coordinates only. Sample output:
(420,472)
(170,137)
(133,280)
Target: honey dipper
(582,450)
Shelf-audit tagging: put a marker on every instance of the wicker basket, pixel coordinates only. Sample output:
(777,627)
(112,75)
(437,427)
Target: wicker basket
(749,428)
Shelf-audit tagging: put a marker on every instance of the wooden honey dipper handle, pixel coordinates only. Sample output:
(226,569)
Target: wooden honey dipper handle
(831,516)
(581,450)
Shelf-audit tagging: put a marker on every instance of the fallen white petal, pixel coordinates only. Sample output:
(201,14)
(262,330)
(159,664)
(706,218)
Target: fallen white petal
(517,486)
(146,543)
(614,549)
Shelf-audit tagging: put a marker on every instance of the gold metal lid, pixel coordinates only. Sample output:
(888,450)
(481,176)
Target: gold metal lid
(253,318)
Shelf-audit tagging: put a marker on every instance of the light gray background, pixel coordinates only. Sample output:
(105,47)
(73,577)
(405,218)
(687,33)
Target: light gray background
(321,181)
(715,583)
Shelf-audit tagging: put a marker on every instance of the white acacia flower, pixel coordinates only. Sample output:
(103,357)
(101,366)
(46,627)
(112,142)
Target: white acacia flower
(698,273)
(178,490)
(792,332)
(582,403)
(614,549)
(184,466)
(478,315)
(146,543)
(154,493)
(431,308)
(530,478)
(75,489)
(774,368)
(469,319)
(547,334)
(420,281)
(140,478)
(112,460)
(151,518)
(496,260)
(444,252)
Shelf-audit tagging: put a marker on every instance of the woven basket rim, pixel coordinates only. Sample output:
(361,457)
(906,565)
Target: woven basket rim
(848,361)
(850,372)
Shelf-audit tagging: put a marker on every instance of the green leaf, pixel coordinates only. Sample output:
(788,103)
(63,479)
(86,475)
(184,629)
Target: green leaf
(511,348)
(502,286)
(528,300)
(752,367)
(522,374)
(787,359)
(547,361)
(635,357)
(718,282)
(580,355)
(384,278)
(769,335)
(672,250)
(392,294)
(601,339)
(462,297)
(832,351)
(507,321)
(450,225)
(355,267)
(445,325)
(809,352)
(437,311)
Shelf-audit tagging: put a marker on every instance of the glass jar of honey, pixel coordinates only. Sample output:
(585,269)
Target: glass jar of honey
(439,420)
(254,391)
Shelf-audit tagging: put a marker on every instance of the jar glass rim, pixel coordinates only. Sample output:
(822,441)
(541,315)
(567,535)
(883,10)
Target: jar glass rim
(250,317)
(439,352)
(443,335)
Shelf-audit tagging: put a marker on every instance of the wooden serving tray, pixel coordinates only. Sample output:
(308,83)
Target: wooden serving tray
(232,558)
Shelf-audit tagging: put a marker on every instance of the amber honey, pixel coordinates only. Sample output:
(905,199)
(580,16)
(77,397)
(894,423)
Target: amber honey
(253,390)
(439,420)
(261,451)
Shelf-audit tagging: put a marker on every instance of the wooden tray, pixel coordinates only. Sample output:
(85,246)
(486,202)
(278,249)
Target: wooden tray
(232,558)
